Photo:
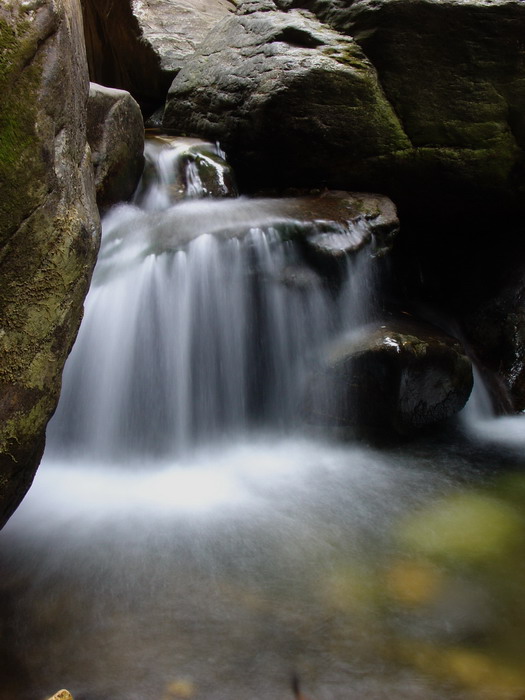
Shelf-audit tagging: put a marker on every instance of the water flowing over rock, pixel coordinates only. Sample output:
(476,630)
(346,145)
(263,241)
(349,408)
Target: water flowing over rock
(399,376)
(139,46)
(206,311)
(115,132)
(178,168)
(48,223)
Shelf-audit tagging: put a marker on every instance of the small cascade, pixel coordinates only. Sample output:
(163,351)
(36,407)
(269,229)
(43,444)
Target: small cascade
(188,535)
(202,320)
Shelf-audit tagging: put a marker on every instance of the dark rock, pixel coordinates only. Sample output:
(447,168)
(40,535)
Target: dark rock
(49,226)
(296,104)
(115,132)
(291,101)
(496,329)
(399,376)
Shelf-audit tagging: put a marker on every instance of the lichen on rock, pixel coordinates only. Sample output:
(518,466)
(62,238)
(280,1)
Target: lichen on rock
(49,227)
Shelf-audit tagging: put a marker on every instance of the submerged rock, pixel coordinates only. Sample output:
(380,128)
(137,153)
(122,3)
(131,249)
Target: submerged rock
(115,131)
(400,376)
(49,226)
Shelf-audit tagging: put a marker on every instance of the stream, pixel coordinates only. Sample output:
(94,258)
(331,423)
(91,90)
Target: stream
(189,535)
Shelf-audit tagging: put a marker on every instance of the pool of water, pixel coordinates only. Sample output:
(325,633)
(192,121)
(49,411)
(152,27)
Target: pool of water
(370,573)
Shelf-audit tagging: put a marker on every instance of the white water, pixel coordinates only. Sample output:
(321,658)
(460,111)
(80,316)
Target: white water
(185,535)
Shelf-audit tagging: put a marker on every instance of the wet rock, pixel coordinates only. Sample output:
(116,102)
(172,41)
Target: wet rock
(115,131)
(328,227)
(205,173)
(180,168)
(49,226)
(398,376)
(139,46)
(291,101)
(294,103)
(62,695)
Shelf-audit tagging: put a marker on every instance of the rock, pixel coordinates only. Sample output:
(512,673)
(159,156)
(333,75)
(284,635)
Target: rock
(139,46)
(399,376)
(62,695)
(180,168)
(115,132)
(49,226)
(299,104)
(291,101)
(174,28)
(329,227)
(496,329)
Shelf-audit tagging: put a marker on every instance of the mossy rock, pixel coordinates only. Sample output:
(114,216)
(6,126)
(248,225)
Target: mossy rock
(49,227)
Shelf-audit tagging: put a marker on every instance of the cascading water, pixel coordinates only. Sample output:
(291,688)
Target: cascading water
(198,324)
(188,537)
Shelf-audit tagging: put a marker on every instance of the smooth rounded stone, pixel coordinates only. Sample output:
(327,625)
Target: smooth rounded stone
(292,102)
(61,695)
(367,215)
(115,131)
(139,45)
(49,223)
(400,376)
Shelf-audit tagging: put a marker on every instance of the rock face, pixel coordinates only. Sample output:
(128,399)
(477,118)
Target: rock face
(49,227)
(138,46)
(399,376)
(115,132)
(301,103)
(291,101)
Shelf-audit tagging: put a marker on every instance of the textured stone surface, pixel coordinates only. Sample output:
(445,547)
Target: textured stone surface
(441,123)
(291,101)
(174,28)
(138,46)
(398,376)
(115,132)
(62,695)
(49,226)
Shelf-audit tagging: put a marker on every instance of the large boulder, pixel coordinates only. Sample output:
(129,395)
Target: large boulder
(398,376)
(115,132)
(395,108)
(291,101)
(139,46)
(49,226)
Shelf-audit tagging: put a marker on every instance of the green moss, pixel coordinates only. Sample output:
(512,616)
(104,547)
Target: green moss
(349,56)
(19,148)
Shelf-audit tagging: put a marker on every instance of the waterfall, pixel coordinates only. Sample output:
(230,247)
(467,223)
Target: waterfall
(202,321)
(190,535)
